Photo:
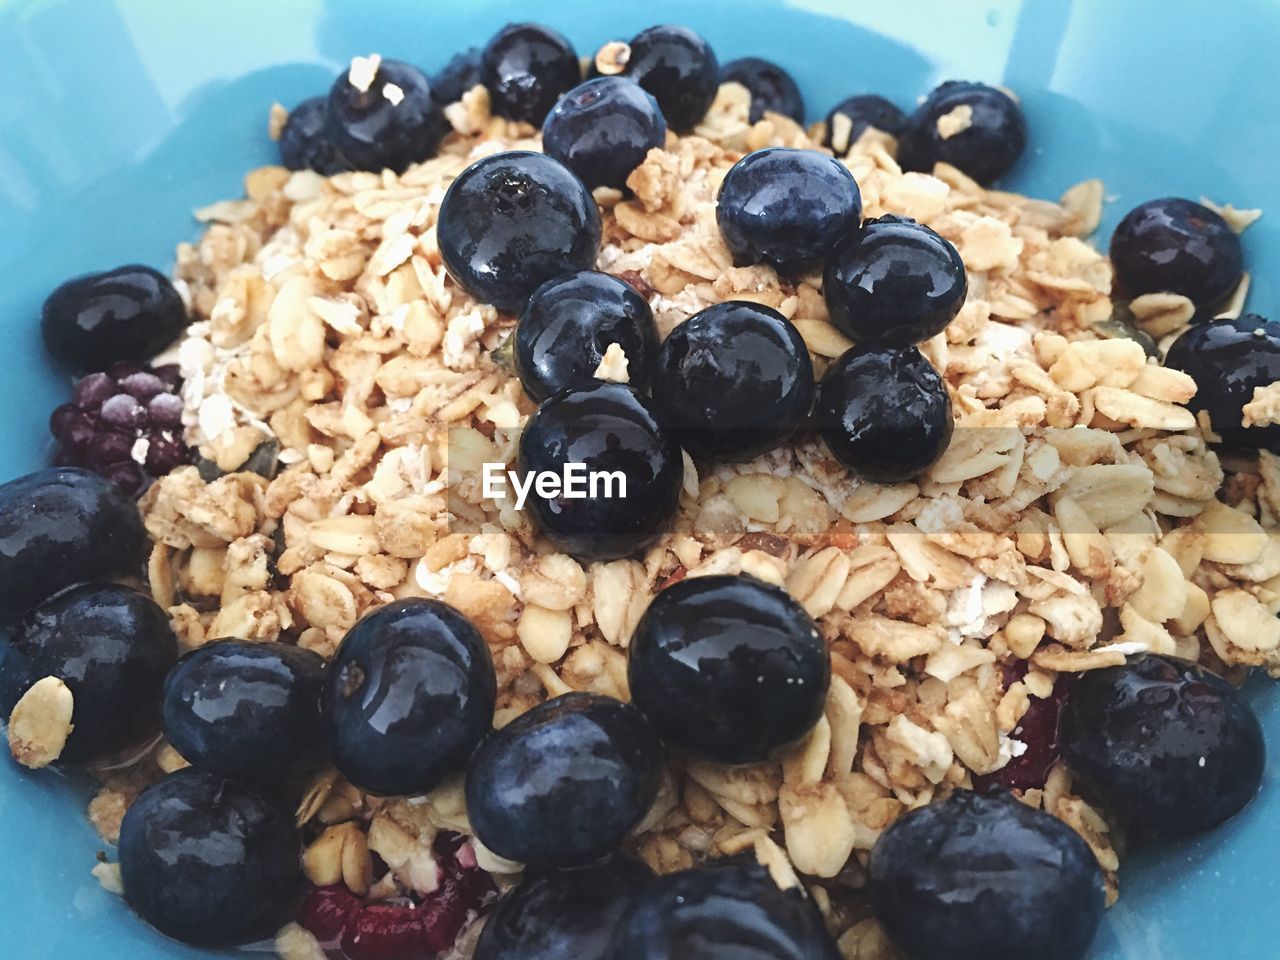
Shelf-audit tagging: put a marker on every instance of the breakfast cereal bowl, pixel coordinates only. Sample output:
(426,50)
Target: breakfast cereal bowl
(125,118)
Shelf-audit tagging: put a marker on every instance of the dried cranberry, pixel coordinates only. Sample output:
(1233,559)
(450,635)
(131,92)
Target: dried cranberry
(1038,729)
(384,931)
(327,910)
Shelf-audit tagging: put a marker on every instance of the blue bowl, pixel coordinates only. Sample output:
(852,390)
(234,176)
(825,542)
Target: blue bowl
(117,119)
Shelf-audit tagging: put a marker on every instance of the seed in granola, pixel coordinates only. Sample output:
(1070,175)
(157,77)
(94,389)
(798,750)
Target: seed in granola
(1173,245)
(59,527)
(633,462)
(386,121)
(726,908)
(569,324)
(209,861)
(884,412)
(772,89)
(985,146)
(305,143)
(1228,359)
(729,668)
(786,208)
(733,381)
(860,112)
(562,913)
(246,710)
(603,129)
(511,221)
(985,876)
(894,281)
(562,785)
(129,314)
(526,68)
(112,646)
(1169,747)
(679,68)
(424,698)
(456,77)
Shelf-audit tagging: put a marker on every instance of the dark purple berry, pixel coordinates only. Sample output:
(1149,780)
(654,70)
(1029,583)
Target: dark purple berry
(165,410)
(170,374)
(107,448)
(123,411)
(164,455)
(64,419)
(142,386)
(92,390)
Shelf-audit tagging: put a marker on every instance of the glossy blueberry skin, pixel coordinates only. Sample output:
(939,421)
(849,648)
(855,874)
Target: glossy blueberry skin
(374,133)
(733,381)
(407,697)
(894,281)
(866,110)
(246,711)
(128,314)
(606,427)
(526,68)
(1167,746)
(681,71)
(456,77)
(562,785)
(112,647)
(724,910)
(568,325)
(975,877)
(1227,359)
(603,129)
(729,668)
(555,914)
(1178,246)
(512,221)
(884,412)
(985,150)
(786,208)
(209,861)
(61,526)
(772,88)
(305,143)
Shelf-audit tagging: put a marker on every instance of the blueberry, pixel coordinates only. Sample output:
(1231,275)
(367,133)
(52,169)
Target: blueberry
(512,221)
(305,143)
(129,313)
(771,87)
(460,74)
(633,463)
(976,128)
(786,208)
(526,68)
(208,861)
(894,281)
(556,914)
(884,412)
(1177,246)
(729,668)
(1228,359)
(61,526)
(725,910)
(112,647)
(407,697)
(568,325)
(563,785)
(680,69)
(862,111)
(733,381)
(974,877)
(603,129)
(1166,745)
(389,121)
(246,711)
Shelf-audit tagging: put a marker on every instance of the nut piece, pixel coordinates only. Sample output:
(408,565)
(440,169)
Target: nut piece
(544,633)
(108,876)
(40,723)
